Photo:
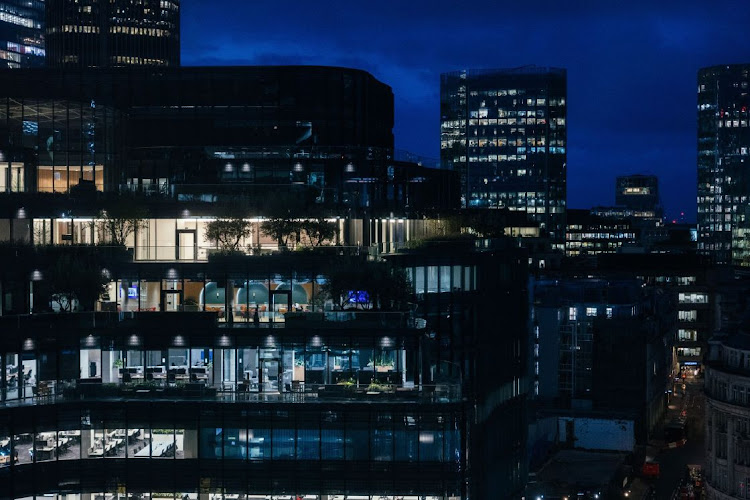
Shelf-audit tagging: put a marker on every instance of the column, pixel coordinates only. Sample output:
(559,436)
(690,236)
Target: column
(190,443)
(85,442)
(730,453)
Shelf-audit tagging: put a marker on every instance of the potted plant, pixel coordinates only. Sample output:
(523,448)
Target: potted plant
(383,363)
(348,384)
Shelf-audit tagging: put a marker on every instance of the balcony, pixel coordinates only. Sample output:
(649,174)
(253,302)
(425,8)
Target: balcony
(373,393)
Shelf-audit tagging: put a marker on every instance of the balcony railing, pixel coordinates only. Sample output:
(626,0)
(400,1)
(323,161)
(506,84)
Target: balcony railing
(242,392)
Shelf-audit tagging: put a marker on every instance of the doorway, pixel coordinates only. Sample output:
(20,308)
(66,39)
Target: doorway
(268,376)
(171,300)
(187,244)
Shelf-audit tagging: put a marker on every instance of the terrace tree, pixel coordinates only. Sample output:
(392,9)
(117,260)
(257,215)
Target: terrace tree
(75,276)
(319,230)
(281,229)
(119,221)
(227,233)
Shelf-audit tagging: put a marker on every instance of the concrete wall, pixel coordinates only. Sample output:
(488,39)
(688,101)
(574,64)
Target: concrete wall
(597,433)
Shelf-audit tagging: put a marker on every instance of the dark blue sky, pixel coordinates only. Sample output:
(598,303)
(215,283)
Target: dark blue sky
(631,65)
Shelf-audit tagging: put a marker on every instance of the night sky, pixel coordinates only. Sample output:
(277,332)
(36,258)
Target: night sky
(632,67)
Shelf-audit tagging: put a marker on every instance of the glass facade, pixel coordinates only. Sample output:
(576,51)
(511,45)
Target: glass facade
(21,33)
(322,136)
(474,305)
(723,156)
(181,448)
(593,234)
(54,145)
(206,405)
(505,132)
(177,383)
(90,33)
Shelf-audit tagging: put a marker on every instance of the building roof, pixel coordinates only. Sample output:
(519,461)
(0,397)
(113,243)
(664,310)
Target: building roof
(584,468)
(529,69)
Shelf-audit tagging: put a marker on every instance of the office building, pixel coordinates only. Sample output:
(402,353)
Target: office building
(589,234)
(457,285)
(205,371)
(305,400)
(723,159)
(314,133)
(505,132)
(21,33)
(603,344)
(694,285)
(90,33)
(639,193)
(634,223)
(184,407)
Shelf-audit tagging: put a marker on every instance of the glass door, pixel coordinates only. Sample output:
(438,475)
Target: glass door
(186,245)
(270,375)
(269,370)
(171,300)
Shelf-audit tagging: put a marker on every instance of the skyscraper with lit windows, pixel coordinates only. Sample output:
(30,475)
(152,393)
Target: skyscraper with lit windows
(86,33)
(504,131)
(21,33)
(724,163)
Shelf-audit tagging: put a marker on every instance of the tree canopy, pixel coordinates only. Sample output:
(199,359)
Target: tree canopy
(75,276)
(115,224)
(319,230)
(228,233)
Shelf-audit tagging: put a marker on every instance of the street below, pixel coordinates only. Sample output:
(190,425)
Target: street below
(673,462)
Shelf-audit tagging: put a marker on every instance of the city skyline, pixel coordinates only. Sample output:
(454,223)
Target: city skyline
(651,52)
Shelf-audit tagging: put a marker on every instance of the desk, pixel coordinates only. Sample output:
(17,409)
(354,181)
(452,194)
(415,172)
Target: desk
(46,453)
(71,436)
(161,449)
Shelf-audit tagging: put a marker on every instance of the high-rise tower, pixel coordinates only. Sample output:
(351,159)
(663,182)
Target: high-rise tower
(21,33)
(724,163)
(86,33)
(504,130)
